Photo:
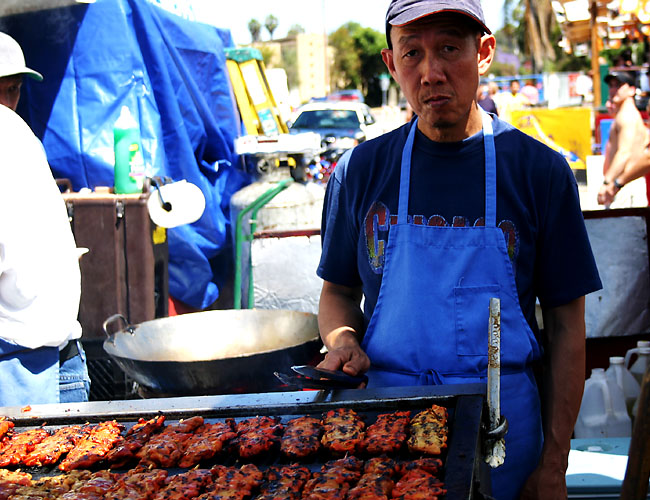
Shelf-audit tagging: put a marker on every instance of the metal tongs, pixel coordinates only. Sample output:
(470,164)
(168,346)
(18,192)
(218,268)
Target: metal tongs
(495,445)
(310,377)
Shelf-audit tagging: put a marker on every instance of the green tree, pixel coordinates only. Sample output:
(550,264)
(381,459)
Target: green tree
(296,29)
(346,68)
(255,28)
(271,24)
(357,60)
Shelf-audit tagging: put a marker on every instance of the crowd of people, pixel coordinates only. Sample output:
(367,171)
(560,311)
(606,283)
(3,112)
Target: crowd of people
(503,102)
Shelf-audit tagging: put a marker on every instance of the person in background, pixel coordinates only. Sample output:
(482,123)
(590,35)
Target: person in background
(493,91)
(638,166)
(530,92)
(429,221)
(485,100)
(41,358)
(628,135)
(511,101)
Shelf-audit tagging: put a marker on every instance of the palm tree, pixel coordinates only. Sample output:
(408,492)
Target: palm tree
(271,24)
(539,20)
(255,28)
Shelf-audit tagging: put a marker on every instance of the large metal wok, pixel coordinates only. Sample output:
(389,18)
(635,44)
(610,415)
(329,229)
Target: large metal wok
(213,352)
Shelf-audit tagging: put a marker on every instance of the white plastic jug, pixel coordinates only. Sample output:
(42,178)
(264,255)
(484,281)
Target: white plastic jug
(625,380)
(602,412)
(638,365)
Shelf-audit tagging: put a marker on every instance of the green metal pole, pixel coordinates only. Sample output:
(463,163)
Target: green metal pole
(255,206)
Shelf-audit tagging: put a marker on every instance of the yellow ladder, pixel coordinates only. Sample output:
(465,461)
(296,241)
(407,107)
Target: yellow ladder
(255,101)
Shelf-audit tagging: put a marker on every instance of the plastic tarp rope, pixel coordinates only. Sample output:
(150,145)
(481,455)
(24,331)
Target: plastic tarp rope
(171,73)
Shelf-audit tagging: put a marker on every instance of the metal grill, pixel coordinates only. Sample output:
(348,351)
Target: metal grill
(465,473)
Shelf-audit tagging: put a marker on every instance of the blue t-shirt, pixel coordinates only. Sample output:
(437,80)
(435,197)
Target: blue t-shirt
(538,210)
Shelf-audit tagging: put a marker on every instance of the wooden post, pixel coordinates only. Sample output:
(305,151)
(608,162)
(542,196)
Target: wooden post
(595,64)
(635,484)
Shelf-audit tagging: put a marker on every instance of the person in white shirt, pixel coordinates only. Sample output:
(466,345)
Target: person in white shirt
(41,358)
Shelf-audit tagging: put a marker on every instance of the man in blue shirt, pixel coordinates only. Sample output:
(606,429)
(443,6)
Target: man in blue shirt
(430,221)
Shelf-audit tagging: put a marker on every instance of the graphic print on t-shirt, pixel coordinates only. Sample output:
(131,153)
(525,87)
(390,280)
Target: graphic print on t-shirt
(379,219)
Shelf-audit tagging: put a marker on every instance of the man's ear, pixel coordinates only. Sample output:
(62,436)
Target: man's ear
(487,46)
(387,57)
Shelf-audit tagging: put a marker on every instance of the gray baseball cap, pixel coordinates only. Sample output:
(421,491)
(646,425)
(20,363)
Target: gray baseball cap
(12,60)
(402,12)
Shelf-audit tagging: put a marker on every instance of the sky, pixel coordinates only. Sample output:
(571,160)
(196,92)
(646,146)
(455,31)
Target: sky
(314,15)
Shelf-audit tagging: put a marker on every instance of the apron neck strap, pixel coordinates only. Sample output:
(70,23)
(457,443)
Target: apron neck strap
(405,175)
(490,173)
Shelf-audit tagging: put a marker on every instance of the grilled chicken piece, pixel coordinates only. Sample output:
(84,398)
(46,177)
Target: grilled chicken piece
(139,484)
(429,431)
(301,437)
(49,450)
(95,487)
(334,480)
(257,435)
(284,483)
(18,445)
(10,481)
(418,484)
(229,483)
(93,447)
(343,431)
(377,480)
(5,426)
(166,448)
(381,465)
(55,487)
(428,464)
(185,485)
(387,434)
(206,442)
(126,448)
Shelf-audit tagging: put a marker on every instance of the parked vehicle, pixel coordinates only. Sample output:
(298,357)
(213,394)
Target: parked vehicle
(341,125)
(346,95)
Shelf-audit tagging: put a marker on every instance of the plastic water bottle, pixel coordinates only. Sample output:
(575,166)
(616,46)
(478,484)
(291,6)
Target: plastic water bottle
(129,163)
(602,412)
(625,380)
(639,365)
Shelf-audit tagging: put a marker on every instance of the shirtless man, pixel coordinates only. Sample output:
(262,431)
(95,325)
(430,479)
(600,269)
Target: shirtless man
(628,134)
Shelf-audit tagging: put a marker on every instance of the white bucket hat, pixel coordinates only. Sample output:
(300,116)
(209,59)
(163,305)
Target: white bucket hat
(12,60)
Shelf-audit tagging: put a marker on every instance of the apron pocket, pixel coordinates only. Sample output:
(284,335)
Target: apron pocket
(472,314)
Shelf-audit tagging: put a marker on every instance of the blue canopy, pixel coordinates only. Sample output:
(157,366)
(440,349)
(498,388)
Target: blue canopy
(171,73)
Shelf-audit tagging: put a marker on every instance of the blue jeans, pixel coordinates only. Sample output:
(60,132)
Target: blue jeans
(74,382)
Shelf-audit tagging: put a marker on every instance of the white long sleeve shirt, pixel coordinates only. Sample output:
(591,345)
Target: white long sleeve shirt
(40,282)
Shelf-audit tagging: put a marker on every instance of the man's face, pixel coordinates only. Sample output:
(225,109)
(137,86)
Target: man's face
(10,90)
(437,62)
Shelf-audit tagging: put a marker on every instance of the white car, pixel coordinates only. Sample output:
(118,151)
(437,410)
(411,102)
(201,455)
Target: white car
(341,124)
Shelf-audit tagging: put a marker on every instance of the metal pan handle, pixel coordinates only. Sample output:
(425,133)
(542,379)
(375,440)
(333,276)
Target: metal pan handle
(112,319)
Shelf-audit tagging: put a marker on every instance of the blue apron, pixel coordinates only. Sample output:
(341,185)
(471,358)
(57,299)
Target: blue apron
(28,376)
(430,324)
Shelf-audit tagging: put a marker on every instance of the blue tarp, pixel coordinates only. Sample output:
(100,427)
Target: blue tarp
(171,73)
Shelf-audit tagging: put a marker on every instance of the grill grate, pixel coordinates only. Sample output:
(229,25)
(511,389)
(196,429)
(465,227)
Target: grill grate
(108,382)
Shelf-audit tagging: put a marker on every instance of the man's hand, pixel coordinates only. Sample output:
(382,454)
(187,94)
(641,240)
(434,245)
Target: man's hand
(561,392)
(547,482)
(347,355)
(607,193)
(340,321)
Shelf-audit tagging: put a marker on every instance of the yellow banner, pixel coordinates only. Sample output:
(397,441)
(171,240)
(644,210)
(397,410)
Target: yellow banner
(566,130)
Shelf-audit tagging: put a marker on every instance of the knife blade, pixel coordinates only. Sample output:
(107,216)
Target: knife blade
(322,374)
